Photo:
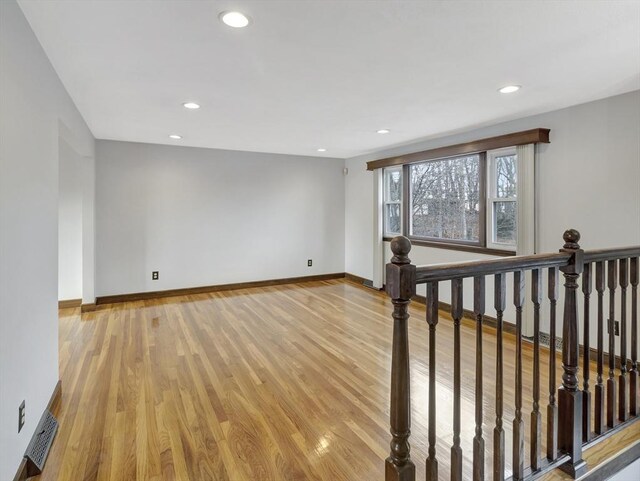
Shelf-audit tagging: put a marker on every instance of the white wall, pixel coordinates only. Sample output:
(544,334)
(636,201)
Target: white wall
(32,103)
(359,205)
(69,222)
(76,230)
(588,178)
(88,229)
(205,217)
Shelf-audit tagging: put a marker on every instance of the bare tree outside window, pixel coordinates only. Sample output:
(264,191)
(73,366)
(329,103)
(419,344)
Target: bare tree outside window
(506,176)
(445,199)
(392,201)
(505,212)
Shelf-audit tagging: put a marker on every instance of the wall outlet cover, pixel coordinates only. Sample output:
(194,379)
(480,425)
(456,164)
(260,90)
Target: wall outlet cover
(21,416)
(616,327)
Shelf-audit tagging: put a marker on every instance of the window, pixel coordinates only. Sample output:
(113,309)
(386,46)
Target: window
(393,201)
(502,202)
(463,200)
(444,199)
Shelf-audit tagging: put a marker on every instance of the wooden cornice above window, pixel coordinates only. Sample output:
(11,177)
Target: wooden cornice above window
(532,136)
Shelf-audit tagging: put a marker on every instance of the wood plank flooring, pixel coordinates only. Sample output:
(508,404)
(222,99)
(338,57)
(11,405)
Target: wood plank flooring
(275,383)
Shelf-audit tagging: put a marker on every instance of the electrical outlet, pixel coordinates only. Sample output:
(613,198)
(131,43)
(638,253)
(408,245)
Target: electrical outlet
(309,263)
(155,275)
(21,416)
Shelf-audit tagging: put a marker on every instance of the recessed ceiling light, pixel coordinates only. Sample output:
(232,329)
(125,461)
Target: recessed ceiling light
(175,136)
(234,19)
(191,105)
(384,131)
(322,150)
(509,89)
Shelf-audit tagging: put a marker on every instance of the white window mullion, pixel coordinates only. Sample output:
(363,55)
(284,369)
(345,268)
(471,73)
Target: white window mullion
(526,196)
(378,229)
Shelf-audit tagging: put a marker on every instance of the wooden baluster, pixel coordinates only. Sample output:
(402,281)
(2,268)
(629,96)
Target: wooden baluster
(623,406)
(518,422)
(456,314)
(569,395)
(478,441)
(536,416)
(586,394)
(500,294)
(432,320)
(612,281)
(552,408)
(633,372)
(401,287)
(599,416)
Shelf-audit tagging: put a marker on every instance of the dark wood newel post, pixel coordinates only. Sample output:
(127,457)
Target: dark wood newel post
(569,395)
(401,287)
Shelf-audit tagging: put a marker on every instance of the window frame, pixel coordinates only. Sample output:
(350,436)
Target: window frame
(385,201)
(492,197)
(483,245)
(406,192)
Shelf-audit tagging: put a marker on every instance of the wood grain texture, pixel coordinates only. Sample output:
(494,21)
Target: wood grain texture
(356,279)
(456,314)
(89,307)
(508,140)
(69,303)
(186,291)
(446,272)
(432,315)
(400,287)
(536,415)
(599,413)
(633,373)
(275,383)
(617,462)
(612,282)
(586,324)
(56,398)
(603,454)
(479,303)
(458,247)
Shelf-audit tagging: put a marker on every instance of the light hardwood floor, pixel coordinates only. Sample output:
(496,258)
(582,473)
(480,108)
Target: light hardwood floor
(277,383)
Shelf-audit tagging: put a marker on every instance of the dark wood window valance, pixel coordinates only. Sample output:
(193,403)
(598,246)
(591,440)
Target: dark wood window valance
(532,136)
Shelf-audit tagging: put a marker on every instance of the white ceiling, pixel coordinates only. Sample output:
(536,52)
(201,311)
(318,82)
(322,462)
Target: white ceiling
(308,74)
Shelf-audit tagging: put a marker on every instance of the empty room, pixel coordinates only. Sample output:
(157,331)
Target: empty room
(319,240)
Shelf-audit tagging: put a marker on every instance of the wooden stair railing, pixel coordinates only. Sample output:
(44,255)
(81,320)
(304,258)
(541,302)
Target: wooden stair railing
(568,411)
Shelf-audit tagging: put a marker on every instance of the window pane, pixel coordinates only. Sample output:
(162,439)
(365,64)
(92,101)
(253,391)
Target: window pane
(505,214)
(445,199)
(392,218)
(393,185)
(506,176)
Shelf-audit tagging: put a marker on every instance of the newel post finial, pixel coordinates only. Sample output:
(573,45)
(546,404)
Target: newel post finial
(400,246)
(569,394)
(571,238)
(401,287)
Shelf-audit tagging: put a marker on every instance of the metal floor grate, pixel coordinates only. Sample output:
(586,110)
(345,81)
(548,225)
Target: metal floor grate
(545,340)
(38,448)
